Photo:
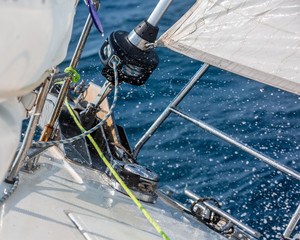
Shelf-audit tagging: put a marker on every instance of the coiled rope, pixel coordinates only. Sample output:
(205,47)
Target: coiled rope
(10,192)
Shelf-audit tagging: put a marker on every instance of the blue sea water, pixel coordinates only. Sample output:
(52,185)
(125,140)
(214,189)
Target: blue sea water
(185,156)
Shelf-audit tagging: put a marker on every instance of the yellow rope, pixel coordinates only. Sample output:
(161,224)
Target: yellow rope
(73,74)
(134,199)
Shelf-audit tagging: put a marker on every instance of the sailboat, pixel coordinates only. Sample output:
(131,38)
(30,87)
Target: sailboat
(75,182)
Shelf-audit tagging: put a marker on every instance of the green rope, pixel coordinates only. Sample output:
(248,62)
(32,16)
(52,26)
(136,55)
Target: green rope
(73,74)
(134,199)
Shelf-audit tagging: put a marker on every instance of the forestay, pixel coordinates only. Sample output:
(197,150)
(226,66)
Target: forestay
(253,38)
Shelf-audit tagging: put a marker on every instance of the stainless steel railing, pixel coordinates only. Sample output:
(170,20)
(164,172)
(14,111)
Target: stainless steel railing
(172,108)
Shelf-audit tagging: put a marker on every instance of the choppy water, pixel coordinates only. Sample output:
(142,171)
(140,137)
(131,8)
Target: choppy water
(184,156)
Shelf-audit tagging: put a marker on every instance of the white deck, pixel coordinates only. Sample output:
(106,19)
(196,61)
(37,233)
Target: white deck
(65,201)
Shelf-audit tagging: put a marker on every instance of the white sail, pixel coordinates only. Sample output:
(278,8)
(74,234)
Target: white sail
(34,37)
(253,38)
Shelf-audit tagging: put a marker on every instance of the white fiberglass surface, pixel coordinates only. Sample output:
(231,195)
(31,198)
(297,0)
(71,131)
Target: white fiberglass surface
(64,200)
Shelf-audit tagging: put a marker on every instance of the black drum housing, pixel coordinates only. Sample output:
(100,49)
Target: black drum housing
(134,65)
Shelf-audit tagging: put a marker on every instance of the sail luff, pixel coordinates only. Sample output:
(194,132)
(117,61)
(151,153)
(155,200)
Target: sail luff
(251,38)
